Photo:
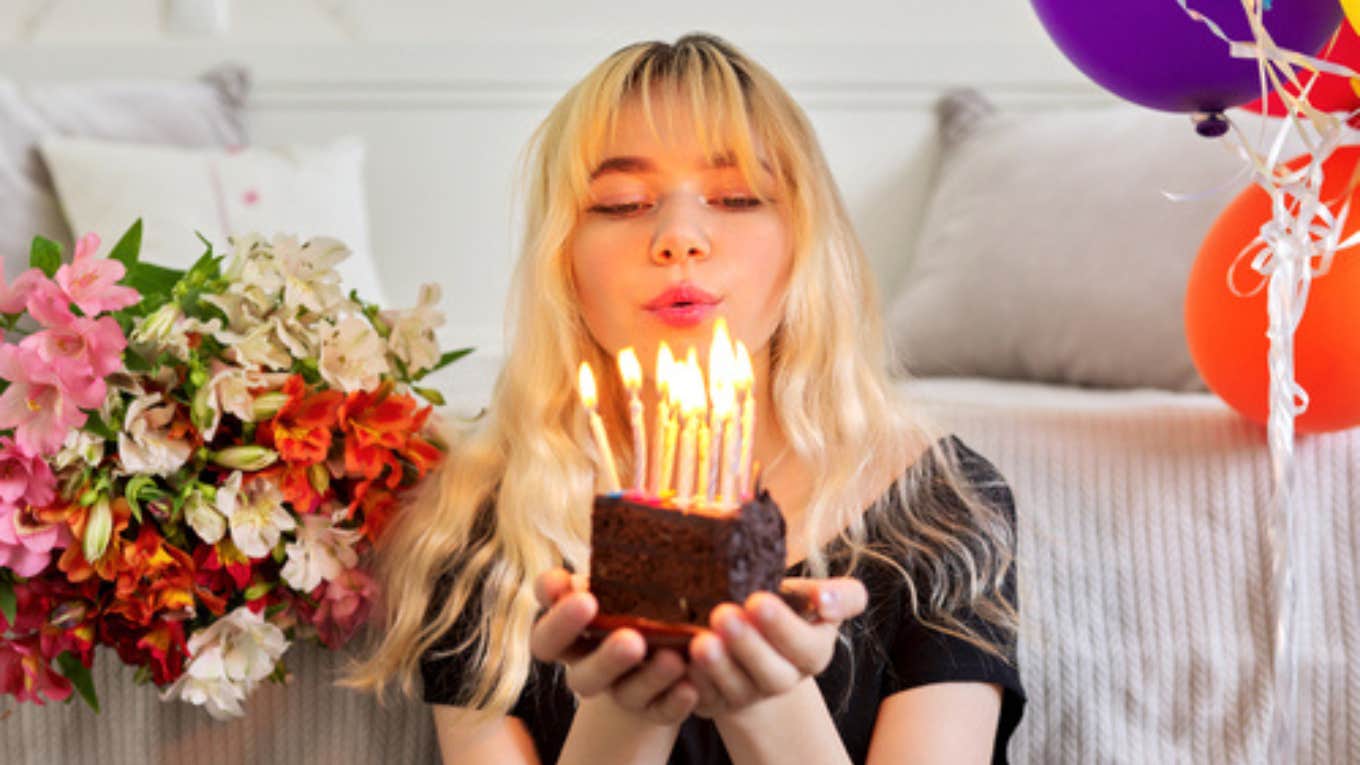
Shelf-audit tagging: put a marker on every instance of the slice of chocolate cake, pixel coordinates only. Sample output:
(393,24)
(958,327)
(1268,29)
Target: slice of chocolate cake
(665,564)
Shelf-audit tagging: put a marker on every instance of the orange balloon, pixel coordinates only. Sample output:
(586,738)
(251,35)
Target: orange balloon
(1227,333)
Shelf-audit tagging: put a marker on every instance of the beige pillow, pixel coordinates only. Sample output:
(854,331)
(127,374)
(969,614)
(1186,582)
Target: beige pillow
(1049,252)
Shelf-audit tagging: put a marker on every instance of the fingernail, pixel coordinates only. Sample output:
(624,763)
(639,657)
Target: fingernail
(827,600)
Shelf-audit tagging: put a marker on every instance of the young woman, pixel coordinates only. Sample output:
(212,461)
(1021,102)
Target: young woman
(674,184)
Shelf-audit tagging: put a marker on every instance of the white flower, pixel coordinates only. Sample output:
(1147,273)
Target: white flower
(209,519)
(144,445)
(257,518)
(81,447)
(320,553)
(228,658)
(412,337)
(229,390)
(310,280)
(205,682)
(352,355)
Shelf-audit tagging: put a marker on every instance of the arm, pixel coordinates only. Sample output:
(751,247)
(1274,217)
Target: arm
(501,741)
(937,723)
(631,708)
(755,669)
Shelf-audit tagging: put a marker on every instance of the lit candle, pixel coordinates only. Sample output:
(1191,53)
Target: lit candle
(664,360)
(672,430)
(632,380)
(701,495)
(718,360)
(587,383)
(745,382)
(689,381)
(729,454)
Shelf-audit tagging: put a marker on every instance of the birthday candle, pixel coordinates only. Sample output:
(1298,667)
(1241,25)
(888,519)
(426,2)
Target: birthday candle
(587,388)
(745,382)
(718,388)
(685,473)
(668,451)
(701,491)
(729,457)
(664,361)
(632,380)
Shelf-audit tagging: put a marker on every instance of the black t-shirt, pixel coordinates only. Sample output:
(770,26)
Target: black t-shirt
(892,652)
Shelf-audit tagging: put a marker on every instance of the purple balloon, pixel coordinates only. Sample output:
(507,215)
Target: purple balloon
(1152,53)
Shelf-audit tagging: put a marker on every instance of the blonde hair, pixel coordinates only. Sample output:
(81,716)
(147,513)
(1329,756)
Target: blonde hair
(513,497)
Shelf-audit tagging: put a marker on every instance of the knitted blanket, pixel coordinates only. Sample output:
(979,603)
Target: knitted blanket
(1143,585)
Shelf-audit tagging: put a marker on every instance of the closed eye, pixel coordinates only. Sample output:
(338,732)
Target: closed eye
(627,208)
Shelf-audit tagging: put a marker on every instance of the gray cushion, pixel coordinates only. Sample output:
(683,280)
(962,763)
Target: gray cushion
(207,112)
(1048,251)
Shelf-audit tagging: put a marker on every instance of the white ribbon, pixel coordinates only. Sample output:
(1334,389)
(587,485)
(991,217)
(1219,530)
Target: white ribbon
(1296,245)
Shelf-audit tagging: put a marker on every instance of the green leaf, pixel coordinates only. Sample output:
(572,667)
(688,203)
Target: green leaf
(45,255)
(79,675)
(96,425)
(430,394)
(128,249)
(445,360)
(9,606)
(151,279)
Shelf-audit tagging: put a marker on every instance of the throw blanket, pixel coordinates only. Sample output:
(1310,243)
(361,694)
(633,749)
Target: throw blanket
(1143,584)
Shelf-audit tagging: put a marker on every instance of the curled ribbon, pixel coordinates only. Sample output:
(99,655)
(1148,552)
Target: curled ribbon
(1299,243)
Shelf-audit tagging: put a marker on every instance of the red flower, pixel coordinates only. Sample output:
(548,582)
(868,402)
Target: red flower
(160,646)
(27,675)
(295,481)
(301,431)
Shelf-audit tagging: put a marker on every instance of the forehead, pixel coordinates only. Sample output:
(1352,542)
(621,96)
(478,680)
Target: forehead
(642,140)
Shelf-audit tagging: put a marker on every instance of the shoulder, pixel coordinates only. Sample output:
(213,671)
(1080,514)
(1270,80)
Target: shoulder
(951,468)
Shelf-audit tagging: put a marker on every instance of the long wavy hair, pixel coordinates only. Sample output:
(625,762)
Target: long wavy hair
(514,494)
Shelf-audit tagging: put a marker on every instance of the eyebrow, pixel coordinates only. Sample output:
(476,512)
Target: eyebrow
(643,165)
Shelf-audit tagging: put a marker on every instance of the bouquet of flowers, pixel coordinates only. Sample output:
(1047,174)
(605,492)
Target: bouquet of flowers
(194,465)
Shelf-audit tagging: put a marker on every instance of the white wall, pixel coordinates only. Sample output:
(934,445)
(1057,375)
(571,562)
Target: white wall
(445,94)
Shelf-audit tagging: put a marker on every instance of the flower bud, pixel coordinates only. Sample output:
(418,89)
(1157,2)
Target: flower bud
(248,458)
(201,409)
(267,405)
(98,529)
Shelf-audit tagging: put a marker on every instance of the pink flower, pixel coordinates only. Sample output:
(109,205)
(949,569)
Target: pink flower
(25,478)
(26,543)
(49,303)
(82,352)
(92,283)
(27,675)
(36,405)
(14,297)
(344,606)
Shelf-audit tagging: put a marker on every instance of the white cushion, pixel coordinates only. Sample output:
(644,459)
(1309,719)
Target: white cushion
(305,190)
(1049,252)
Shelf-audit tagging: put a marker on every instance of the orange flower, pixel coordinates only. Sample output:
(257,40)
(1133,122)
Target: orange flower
(377,424)
(301,431)
(153,577)
(73,562)
(295,482)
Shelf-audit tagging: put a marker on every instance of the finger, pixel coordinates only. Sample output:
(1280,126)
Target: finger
(712,662)
(676,703)
(646,684)
(710,701)
(623,650)
(771,672)
(836,599)
(807,648)
(559,627)
(551,585)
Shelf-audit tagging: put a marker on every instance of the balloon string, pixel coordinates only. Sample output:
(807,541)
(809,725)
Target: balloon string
(1298,243)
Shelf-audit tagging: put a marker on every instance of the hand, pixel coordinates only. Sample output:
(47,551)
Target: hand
(655,689)
(763,649)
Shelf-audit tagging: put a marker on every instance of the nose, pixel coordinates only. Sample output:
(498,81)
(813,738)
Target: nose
(679,236)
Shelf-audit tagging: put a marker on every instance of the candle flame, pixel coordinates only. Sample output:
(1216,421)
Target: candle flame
(720,370)
(692,398)
(630,369)
(664,362)
(586,379)
(745,377)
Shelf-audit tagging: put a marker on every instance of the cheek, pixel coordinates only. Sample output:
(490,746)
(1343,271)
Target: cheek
(599,287)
